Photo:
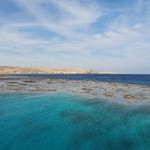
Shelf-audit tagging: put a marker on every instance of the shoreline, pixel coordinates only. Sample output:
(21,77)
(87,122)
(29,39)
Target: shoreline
(118,92)
(14,70)
(42,70)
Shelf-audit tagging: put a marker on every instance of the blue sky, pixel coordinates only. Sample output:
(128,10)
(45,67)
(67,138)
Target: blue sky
(103,35)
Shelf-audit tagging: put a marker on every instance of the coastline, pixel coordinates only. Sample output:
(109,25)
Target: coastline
(4,70)
(14,70)
(118,92)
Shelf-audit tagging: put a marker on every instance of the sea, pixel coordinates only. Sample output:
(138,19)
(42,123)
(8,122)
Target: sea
(69,122)
(143,79)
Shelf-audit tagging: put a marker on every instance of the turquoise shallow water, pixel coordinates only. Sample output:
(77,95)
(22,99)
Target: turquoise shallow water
(65,122)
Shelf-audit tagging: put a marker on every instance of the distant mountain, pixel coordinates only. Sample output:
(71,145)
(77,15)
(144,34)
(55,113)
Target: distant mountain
(41,70)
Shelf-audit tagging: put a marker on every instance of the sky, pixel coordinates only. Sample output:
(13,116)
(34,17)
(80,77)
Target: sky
(102,35)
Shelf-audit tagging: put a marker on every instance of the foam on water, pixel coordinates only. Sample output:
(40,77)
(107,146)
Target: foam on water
(65,122)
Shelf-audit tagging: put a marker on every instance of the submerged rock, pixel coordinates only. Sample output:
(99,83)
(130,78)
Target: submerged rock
(109,94)
(128,96)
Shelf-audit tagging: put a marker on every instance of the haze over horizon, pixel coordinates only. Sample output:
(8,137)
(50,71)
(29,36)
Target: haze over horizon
(102,35)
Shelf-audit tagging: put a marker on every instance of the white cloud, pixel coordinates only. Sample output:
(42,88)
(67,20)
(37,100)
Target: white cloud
(72,15)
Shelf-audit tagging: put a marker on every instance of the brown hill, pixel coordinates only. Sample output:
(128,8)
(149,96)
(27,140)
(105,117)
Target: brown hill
(41,70)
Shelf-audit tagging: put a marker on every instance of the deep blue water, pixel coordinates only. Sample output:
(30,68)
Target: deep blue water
(143,79)
(65,122)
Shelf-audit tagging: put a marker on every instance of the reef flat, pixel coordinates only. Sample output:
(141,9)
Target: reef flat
(119,92)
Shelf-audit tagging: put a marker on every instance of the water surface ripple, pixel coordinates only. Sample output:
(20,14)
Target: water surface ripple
(66,122)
